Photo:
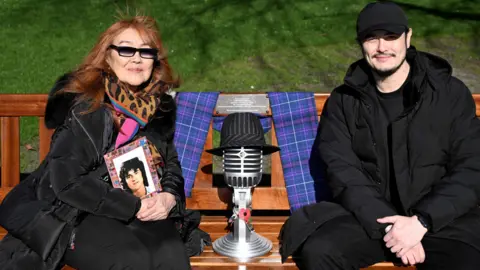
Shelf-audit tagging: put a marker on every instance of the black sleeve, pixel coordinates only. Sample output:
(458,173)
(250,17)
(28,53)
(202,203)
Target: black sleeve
(458,191)
(349,184)
(59,103)
(161,131)
(172,180)
(75,153)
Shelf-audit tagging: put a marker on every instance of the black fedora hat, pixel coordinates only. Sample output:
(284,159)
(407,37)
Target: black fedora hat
(242,130)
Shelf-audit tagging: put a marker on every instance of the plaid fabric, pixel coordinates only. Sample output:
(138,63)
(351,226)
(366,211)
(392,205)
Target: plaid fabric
(194,114)
(295,119)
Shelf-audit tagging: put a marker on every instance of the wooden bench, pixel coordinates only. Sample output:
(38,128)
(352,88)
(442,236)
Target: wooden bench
(271,207)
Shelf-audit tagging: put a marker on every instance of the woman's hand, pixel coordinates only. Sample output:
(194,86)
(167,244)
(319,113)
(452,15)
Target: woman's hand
(157,207)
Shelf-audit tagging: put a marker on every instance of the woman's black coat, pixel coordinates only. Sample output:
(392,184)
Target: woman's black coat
(71,182)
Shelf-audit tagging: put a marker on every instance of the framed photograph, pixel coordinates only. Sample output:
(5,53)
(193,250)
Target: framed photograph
(131,168)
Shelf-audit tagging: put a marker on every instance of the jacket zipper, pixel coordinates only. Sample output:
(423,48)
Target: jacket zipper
(366,100)
(88,134)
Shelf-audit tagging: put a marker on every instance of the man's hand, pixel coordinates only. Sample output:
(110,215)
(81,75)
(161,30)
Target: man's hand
(405,233)
(157,207)
(414,255)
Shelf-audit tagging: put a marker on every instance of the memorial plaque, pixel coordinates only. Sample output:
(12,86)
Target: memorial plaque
(254,103)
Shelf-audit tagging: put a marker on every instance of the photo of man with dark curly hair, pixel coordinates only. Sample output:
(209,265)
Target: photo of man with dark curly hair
(134,178)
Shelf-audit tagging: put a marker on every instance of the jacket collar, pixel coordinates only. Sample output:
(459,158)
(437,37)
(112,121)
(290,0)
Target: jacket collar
(59,105)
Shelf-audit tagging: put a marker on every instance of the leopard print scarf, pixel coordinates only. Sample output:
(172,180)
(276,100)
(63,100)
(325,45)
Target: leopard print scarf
(134,111)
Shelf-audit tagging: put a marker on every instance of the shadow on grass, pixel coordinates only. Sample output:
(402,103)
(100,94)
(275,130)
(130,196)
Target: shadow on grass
(256,28)
(460,16)
(203,35)
(277,25)
(455,11)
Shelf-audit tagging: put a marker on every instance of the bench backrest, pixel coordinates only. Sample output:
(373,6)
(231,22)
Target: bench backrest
(205,196)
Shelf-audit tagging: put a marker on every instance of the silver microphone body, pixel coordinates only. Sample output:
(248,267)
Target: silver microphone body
(242,167)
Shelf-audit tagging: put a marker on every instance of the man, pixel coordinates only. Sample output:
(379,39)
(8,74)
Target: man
(401,145)
(134,178)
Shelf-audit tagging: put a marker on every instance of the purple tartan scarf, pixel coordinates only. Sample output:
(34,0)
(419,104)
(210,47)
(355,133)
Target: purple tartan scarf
(295,120)
(194,114)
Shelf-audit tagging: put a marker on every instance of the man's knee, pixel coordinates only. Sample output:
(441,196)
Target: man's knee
(340,243)
(449,254)
(318,253)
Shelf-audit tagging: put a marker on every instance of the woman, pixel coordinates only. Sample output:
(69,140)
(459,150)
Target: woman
(67,211)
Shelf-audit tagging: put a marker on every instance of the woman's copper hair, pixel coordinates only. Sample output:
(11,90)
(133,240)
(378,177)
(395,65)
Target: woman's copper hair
(88,80)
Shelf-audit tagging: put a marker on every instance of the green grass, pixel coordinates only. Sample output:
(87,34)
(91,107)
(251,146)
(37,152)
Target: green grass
(207,40)
(222,45)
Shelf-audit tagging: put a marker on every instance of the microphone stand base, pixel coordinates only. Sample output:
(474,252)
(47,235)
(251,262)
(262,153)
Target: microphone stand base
(257,246)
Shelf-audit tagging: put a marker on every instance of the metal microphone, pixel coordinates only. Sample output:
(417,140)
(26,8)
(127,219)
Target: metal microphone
(242,167)
(242,147)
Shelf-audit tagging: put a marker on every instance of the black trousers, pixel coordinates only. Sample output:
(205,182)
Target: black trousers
(343,244)
(102,243)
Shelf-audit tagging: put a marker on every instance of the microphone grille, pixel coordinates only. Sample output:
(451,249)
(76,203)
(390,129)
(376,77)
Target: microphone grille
(242,166)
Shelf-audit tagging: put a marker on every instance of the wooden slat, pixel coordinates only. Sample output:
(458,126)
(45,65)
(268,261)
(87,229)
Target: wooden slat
(271,259)
(320,100)
(255,219)
(264,224)
(387,266)
(204,176)
(270,236)
(45,135)
(10,152)
(219,264)
(219,198)
(34,104)
(476,97)
(227,263)
(276,168)
(4,191)
(22,104)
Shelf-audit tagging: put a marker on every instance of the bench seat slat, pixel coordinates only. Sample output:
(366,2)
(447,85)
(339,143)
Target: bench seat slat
(22,105)
(476,97)
(213,198)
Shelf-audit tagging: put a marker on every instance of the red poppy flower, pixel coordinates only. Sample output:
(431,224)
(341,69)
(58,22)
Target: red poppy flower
(244,214)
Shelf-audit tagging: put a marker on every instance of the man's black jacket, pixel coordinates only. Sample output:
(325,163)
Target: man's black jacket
(435,147)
